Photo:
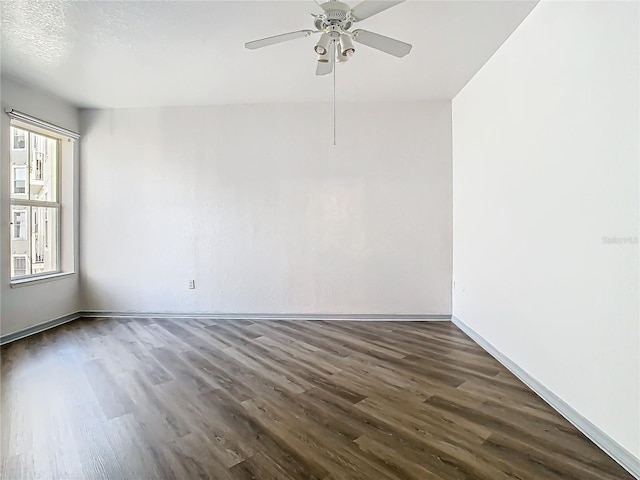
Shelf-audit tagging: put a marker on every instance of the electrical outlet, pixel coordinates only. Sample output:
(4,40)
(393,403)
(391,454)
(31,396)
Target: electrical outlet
(192,284)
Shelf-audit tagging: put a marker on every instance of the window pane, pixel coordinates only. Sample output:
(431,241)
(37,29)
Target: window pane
(34,238)
(44,235)
(20,244)
(19,168)
(43,167)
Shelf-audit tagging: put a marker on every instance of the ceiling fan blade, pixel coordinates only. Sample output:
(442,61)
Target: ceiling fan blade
(323,5)
(369,8)
(317,7)
(265,42)
(324,68)
(382,43)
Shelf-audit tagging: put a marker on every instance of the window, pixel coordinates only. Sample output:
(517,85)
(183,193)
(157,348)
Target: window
(20,224)
(18,139)
(35,203)
(20,180)
(19,266)
(42,188)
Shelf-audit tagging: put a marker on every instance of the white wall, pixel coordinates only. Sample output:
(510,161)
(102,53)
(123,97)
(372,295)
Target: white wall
(24,307)
(545,152)
(256,204)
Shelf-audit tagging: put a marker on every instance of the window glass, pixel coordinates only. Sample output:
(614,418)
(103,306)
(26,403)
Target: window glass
(43,166)
(35,207)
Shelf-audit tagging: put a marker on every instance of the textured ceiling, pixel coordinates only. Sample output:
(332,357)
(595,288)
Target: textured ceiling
(157,53)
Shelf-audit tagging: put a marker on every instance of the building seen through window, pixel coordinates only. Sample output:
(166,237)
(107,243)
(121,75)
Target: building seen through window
(35,207)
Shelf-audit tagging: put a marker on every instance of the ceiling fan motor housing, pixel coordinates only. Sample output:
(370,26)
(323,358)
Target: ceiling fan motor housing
(337,16)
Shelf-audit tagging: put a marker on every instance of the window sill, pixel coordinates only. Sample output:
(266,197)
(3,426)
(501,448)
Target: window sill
(25,282)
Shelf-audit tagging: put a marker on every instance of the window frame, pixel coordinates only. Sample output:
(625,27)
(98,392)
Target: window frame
(29,203)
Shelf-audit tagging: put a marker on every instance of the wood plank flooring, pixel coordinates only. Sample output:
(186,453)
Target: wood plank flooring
(237,400)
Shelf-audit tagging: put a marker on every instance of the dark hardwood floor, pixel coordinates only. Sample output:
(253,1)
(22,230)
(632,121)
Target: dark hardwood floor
(186,399)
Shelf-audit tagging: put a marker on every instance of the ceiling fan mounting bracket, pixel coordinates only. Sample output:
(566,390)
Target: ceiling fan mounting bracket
(336,15)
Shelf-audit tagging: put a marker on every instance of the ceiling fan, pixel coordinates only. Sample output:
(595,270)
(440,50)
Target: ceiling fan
(336,41)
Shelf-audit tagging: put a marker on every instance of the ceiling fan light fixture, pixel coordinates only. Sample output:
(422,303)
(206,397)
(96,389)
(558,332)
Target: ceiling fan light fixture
(347,46)
(340,57)
(344,58)
(322,47)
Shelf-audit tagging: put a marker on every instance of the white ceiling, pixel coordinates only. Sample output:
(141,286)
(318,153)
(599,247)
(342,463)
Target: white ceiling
(152,53)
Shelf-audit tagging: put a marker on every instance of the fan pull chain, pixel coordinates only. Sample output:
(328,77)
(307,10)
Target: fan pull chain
(335,65)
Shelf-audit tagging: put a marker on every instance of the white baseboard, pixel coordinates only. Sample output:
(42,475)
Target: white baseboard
(626,459)
(368,317)
(224,316)
(41,327)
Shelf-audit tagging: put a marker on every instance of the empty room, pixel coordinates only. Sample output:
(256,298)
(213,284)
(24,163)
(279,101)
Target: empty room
(299,240)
